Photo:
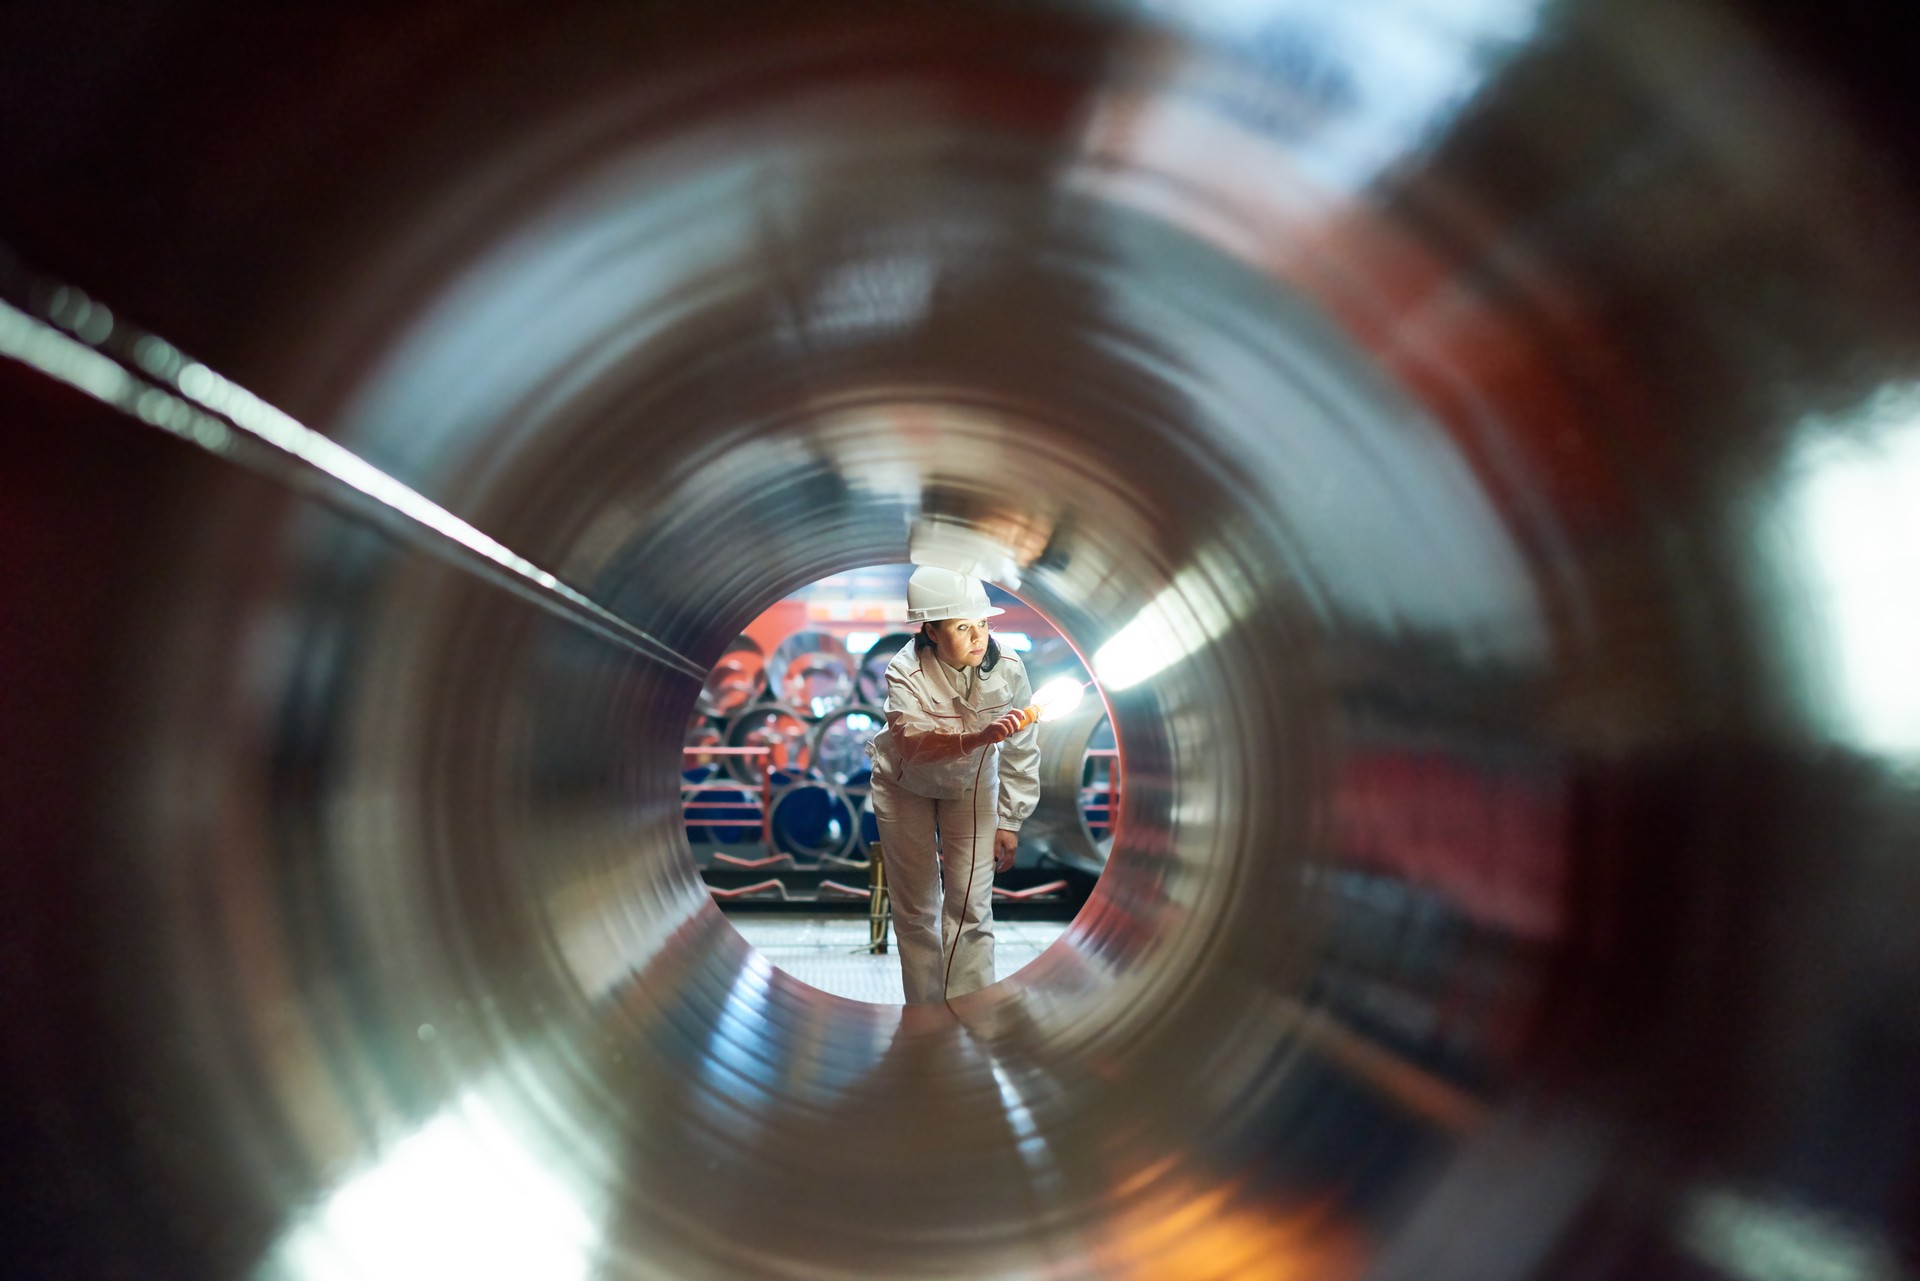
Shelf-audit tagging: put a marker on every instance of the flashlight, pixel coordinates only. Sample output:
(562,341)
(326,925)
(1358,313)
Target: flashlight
(1053,700)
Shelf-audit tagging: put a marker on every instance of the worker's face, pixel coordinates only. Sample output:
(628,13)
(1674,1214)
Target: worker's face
(961,642)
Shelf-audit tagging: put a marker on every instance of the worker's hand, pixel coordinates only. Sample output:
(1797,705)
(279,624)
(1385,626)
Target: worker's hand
(1005,845)
(1004,728)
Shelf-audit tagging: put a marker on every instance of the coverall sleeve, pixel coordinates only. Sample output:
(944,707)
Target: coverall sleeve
(1020,765)
(919,738)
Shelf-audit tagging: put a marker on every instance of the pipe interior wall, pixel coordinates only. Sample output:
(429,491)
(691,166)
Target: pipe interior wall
(1058,827)
(1460,426)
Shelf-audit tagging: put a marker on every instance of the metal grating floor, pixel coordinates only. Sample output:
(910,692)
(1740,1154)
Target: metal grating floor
(829,952)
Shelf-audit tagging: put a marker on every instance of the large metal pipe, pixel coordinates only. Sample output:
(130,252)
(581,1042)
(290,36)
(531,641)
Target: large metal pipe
(1474,428)
(1058,828)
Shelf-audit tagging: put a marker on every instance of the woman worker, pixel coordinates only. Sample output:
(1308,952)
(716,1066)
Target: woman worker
(953,760)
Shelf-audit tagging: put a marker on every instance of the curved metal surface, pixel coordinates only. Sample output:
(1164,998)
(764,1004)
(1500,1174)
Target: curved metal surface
(737,680)
(1058,828)
(813,818)
(785,732)
(812,673)
(872,680)
(1477,439)
(722,811)
(838,747)
(701,732)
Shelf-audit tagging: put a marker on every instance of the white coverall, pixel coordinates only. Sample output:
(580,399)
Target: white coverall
(923,782)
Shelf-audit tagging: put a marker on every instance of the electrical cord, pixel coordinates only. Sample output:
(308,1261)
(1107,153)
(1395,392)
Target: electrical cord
(973,864)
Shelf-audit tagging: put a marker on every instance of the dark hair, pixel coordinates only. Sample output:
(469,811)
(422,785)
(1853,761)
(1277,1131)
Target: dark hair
(921,640)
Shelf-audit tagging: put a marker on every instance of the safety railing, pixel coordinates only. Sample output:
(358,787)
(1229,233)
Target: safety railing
(690,793)
(1100,801)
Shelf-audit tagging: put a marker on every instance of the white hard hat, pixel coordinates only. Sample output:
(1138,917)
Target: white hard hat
(935,593)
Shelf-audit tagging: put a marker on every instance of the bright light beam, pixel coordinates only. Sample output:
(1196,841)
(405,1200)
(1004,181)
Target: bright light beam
(1858,505)
(203,394)
(461,1197)
(1187,616)
(1058,697)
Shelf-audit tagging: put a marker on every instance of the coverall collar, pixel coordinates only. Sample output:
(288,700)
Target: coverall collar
(965,683)
(963,679)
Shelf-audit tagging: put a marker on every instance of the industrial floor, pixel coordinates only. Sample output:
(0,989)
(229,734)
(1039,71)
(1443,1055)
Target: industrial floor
(830,951)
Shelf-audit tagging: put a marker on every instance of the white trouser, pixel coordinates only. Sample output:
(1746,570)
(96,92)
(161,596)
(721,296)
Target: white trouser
(943,926)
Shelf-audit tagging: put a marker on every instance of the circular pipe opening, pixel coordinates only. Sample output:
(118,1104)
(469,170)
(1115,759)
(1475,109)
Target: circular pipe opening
(937,340)
(783,829)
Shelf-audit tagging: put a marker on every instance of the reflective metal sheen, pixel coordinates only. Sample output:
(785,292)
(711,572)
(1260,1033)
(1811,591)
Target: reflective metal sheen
(1475,443)
(1058,827)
